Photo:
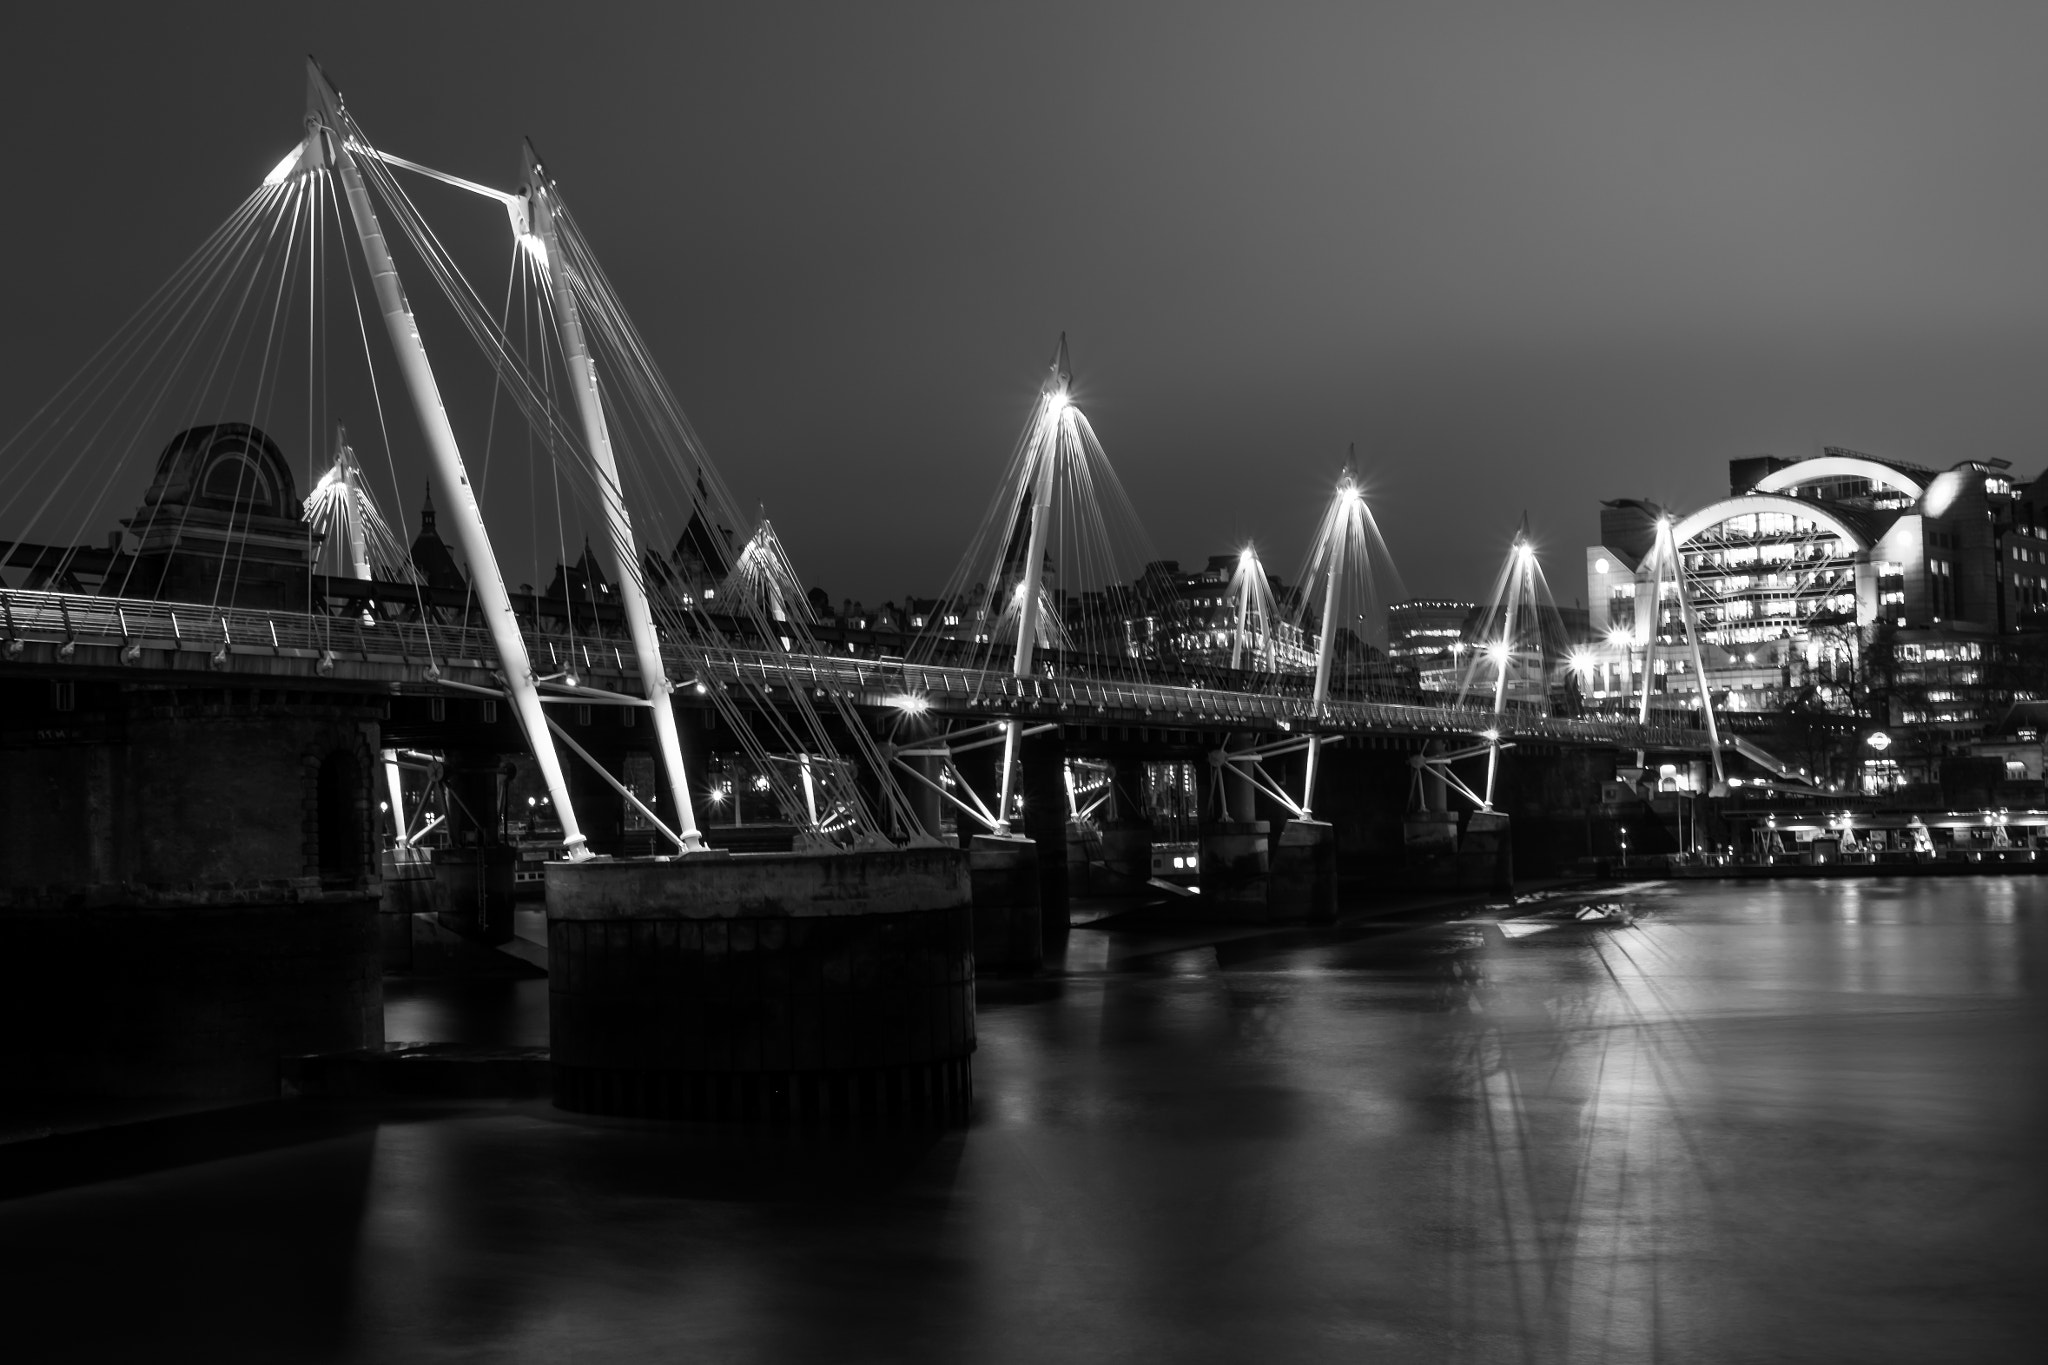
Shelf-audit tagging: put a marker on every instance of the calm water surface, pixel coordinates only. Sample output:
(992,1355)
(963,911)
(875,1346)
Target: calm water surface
(1796,1121)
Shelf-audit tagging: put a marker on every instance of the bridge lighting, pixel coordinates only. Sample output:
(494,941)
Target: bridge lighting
(282,171)
(1498,651)
(1620,637)
(1490,736)
(909,704)
(1524,551)
(1348,494)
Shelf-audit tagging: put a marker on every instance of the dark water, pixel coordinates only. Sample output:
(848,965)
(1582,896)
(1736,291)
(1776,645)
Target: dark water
(1798,1122)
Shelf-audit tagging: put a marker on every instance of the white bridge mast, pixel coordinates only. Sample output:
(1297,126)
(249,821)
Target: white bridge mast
(1055,409)
(328,141)
(1348,497)
(582,368)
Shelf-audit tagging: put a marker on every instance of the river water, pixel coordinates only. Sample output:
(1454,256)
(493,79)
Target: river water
(1798,1121)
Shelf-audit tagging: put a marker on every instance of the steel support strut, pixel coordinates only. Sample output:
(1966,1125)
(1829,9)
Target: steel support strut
(1326,644)
(1507,657)
(1699,662)
(582,369)
(328,132)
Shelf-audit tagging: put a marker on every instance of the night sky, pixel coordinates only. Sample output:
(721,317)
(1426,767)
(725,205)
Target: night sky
(1525,257)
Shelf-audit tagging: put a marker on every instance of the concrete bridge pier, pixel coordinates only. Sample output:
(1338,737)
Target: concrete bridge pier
(1301,884)
(1431,833)
(779,987)
(1486,850)
(1126,831)
(926,806)
(1009,933)
(474,876)
(1004,876)
(1234,852)
(188,885)
(1042,778)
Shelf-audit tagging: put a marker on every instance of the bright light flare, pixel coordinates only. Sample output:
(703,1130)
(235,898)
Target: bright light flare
(910,704)
(1620,637)
(1498,651)
(282,171)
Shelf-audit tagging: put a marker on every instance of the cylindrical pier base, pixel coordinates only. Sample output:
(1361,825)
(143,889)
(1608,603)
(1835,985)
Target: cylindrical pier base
(474,890)
(1126,856)
(1234,871)
(802,987)
(1486,853)
(1007,932)
(1302,885)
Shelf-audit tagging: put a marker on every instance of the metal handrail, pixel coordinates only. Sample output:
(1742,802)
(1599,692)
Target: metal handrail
(74,618)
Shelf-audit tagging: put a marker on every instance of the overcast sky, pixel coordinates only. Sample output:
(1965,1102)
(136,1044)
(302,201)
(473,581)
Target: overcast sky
(1526,257)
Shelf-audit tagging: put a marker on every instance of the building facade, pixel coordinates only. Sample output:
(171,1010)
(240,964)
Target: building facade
(1431,636)
(1838,583)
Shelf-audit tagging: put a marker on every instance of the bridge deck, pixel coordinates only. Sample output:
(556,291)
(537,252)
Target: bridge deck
(74,632)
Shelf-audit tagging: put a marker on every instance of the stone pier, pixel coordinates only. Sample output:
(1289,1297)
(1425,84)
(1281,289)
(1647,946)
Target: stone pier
(188,885)
(800,987)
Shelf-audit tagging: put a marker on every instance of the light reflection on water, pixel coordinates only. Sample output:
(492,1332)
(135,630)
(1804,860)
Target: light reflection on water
(1795,1121)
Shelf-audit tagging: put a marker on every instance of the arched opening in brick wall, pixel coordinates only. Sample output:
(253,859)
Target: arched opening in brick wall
(342,823)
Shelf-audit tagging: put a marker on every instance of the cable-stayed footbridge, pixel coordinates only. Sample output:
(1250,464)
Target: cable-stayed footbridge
(218,579)
(206,712)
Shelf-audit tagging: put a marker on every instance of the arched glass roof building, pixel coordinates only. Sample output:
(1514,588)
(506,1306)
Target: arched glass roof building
(1813,569)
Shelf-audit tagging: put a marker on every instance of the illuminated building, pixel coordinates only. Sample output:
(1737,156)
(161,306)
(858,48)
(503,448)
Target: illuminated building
(1192,617)
(1427,634)
(1839,581)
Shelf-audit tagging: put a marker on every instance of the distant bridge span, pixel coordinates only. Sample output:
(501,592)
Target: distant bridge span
(78,634)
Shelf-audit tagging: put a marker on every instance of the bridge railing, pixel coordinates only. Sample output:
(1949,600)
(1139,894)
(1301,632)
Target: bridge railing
(71,619)
(1167,702)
